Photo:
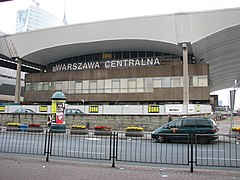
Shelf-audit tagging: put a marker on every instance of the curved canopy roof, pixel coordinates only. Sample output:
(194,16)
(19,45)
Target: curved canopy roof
(213,37)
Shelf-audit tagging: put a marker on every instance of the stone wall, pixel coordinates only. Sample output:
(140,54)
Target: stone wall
(117,122)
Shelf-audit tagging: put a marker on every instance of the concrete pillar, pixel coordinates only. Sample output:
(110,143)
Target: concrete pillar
(18,81)
(185,75)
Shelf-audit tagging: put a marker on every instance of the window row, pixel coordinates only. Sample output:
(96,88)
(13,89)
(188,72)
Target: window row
(129,85)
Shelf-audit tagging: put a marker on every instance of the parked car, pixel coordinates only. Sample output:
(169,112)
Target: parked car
(24,111)
(73,111)
(203,129)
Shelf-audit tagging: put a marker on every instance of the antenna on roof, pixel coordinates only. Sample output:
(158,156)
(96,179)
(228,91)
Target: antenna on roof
(64,15)
(36,3)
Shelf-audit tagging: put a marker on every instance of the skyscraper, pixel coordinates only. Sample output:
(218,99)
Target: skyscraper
(35,18)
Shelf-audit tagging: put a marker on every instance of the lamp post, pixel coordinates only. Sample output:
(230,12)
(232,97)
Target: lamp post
(232,102)
(83,105)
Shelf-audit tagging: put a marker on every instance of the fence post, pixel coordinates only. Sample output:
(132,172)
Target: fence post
(113,157)
(191,154)
(48,145)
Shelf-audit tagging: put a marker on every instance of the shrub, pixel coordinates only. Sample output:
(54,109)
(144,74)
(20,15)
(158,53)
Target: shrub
(78,127)
(34,125)
(236,129)
(133,128)
(13,124)
(103,128)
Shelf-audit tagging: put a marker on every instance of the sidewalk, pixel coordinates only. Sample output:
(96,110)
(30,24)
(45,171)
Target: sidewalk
(16,167)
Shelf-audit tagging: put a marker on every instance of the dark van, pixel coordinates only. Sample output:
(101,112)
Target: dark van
(204,129)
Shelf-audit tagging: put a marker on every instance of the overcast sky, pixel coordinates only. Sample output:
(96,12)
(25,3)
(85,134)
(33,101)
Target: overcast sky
(81,11)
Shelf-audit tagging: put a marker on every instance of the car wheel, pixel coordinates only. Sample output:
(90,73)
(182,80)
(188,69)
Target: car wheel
(161,139)
(202,140)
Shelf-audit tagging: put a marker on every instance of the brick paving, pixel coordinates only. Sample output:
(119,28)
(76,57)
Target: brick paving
(16,167)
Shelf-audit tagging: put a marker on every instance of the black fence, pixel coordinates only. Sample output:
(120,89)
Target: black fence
(146,150)
(16,140)
(116,146)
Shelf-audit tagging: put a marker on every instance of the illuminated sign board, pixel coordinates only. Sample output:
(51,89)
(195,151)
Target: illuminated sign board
(43,109)
(2,108)
(93,109)
(153,109)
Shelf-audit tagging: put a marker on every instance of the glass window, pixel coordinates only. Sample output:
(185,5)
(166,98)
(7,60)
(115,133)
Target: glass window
(123,85)
(141,54)
(165,81)
(125,54)
(118,55)
(195,80)
(100,86)
(157,82)
(28,87)
(65,86)
(108,86)
(189,123)
(158,54)
(46,86)
(175,82)
(79,86)
(190,81)
(115,86)
(181,81)
(58,85)
(203,81)
(133,54)
(204,123)
(132,85)
(175,124)
(93,86)
(72,87)
(148,84)
(40,86)
(150,54)
(140,85)
(85,86)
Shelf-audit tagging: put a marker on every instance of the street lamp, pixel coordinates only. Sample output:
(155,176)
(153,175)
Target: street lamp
(83,105)
(232,102)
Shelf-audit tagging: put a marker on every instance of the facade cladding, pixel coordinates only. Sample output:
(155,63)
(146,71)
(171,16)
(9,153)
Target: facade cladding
(7,84)
(120,77)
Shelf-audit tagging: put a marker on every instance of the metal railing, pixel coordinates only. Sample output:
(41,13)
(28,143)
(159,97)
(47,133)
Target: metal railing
(224,152)
(146,150)
(15,140)
(87,146)
(118,146)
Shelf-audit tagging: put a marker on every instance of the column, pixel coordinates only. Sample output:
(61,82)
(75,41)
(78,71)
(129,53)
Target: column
(185,76)
(18,81)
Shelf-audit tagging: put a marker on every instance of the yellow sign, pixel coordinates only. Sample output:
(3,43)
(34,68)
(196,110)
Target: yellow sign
(2,108)
(153,109)
(106,55)
(198,108)
(43,109)
(93,109)
(54,108)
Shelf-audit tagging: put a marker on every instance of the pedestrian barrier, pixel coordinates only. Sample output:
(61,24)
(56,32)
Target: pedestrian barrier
(115,147)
